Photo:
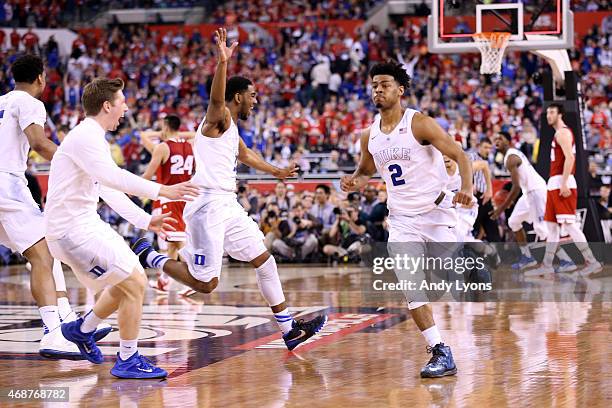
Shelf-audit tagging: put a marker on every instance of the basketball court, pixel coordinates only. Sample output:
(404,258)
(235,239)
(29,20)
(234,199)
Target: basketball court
(224,350)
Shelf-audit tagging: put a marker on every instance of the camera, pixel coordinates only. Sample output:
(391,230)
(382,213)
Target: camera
(337,211)
(241,190)
(297,220)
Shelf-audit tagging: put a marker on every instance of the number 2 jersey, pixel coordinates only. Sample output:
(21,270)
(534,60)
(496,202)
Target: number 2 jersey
(414,173)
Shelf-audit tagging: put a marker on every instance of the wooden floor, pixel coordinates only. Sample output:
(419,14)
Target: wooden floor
(223,350)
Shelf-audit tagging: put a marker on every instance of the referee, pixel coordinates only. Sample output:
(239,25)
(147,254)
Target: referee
(485,205)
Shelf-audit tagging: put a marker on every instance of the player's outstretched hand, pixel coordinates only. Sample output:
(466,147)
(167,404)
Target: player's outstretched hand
(182,191)
(289,171)
(162,224)
(224,52)
(463,198)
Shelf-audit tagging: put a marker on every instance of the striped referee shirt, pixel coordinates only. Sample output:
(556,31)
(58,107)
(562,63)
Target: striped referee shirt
(480,182)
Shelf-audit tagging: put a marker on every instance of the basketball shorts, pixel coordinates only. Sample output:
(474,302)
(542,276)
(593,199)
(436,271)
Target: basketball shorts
(98,256)
(530,208)
(561,209)
(466,217)
(176,208)
(218,224)
(21,222)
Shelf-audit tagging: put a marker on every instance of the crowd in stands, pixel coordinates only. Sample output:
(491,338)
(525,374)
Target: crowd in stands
(313,100)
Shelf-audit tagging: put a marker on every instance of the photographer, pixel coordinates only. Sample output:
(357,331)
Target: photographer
(345,235)
(297,239)
(269,224)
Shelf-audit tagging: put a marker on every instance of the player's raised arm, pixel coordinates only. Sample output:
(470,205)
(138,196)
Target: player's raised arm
(252,159)
(426,129)
(217,113)
(365,170)
(146,139)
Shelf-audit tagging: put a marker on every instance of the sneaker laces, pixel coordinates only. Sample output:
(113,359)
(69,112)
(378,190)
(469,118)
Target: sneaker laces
(437,354)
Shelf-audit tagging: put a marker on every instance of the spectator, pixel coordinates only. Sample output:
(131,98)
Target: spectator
(323,211)
(345,236)
(297,239)
(280,199)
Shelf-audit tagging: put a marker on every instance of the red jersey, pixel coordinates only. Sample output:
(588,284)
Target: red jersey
(557,158)
(180,165)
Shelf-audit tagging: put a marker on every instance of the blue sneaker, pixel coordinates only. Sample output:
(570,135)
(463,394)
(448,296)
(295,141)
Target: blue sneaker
(302,331)
(101,332)
(524,262)
(84,341)
(142,248)
(566,266)
(441,362)
(137,367)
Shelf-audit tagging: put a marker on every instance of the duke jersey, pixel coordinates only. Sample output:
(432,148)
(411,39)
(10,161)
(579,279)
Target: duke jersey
(18,110)
(216,159)
(180,166)
(529,179)
(414,174)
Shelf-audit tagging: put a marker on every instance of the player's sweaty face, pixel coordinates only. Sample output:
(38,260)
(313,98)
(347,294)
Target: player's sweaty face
(385,91)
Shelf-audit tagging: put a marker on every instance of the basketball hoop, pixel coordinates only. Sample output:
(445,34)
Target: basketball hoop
(492,46)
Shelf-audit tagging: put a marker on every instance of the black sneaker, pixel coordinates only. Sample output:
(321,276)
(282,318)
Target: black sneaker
(302,331)
(142,248)
(441,362)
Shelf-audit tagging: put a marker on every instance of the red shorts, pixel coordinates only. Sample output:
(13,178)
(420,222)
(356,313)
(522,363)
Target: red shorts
(561,209)
(176,207)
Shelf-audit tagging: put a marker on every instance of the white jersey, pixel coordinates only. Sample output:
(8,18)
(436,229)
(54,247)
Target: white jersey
(529,179)
(454,181)
(82,171)
(216,160)
(414,174)
(18,110)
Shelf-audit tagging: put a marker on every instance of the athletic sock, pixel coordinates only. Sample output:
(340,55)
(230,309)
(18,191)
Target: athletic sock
(127,348)
(156,260)
(50,317)
(432,335)
(525,251)
(63,306)
(284,320)
(90,322)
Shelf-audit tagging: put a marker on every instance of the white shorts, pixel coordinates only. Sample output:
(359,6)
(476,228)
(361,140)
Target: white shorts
(98,256)
(466,217)
(218,223)
(21,222)
(530,209)
(437,225)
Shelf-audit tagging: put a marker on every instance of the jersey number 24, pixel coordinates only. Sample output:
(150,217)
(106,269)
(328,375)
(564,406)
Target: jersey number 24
(180,165)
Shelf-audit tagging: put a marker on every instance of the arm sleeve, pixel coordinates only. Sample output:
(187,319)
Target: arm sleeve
(125,207)
(92,154)
(32,111)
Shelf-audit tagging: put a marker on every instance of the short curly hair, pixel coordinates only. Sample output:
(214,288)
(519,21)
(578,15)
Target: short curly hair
(394,69)
(27,68)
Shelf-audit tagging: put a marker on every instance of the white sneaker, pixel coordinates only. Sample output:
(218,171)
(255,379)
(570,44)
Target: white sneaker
(55,345)
(591,268)
(542,270)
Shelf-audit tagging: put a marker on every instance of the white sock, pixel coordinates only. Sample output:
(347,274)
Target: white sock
(63,306)
(525,250)
(563,256)
(58,276)
(552,243)
(432,335)
(127,348)
(50,317)
(90,322)
(269,282)
(284,320)
(157,260)
(580,241)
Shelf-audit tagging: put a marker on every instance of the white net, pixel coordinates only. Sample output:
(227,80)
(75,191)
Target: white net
(492,47)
